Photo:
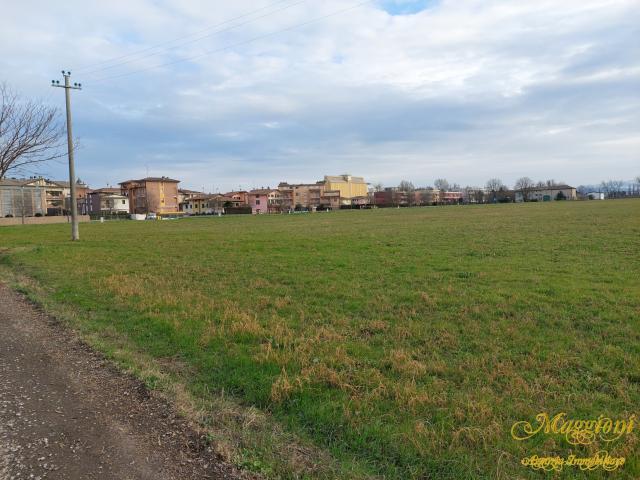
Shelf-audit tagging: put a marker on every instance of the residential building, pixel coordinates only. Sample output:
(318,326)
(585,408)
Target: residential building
(240,197)
(301,195)
(208,204)
(360,202)
(184,194)
(426,196)
(391,197)
(57,193)
(309,196)
(332,200)
(547,193)
(107,201)
(348,186)
(18,198)
(265,200)
(157,195)
(451,198)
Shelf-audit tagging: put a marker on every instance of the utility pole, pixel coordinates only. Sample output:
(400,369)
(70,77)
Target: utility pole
(75,234)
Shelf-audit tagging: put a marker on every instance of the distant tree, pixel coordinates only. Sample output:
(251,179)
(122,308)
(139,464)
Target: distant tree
(30,132)
(561,196)
(407,187)
(378,187)
(441,184)
(582,189)
(494,185)
(472,195)
(612,188)
(525,185)
(427,196)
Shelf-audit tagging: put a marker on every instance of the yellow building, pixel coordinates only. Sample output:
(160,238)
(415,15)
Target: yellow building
(348,186)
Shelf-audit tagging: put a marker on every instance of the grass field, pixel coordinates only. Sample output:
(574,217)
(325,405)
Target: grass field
(403,342)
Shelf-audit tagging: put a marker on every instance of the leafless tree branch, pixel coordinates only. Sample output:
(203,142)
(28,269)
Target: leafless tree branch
(30,132)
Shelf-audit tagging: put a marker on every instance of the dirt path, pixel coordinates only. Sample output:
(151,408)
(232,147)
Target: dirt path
(65,413)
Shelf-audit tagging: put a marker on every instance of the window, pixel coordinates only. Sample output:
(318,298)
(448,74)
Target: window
(257,201)
(123,202)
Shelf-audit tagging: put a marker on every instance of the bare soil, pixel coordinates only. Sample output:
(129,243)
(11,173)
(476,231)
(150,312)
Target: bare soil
(67,413)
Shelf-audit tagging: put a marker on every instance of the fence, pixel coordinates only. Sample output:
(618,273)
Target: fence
(40,220)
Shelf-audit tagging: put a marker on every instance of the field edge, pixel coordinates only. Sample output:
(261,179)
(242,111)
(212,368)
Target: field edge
(243,436)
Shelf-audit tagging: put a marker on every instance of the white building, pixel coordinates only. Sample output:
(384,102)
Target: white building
(107,201)
(595,196)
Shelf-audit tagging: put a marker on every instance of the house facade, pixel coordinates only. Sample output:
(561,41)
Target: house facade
(309,196)
(547,194)
(208,204)
(157,195)
(57,193)
(426,196)
(240,198)
(184,194)
(265,201)
(107,201)
(391,197)
(348,186)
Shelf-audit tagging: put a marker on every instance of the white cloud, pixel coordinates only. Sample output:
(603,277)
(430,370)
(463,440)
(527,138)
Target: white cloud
(461,89)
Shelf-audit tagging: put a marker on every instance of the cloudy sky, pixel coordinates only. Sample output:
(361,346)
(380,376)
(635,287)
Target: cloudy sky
(252,92)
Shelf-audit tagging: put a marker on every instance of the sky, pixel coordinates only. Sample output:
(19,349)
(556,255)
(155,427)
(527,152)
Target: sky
(246,94)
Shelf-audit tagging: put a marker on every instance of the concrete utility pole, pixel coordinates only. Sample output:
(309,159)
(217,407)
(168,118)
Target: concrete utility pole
(75,234)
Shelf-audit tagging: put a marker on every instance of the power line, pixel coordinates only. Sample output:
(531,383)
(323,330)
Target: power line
(116,60)
(238,44)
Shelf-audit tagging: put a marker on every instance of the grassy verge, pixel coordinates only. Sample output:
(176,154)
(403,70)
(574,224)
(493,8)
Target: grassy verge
(404,342)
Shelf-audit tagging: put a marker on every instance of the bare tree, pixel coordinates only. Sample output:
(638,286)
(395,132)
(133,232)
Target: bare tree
(30,132)
(612,188)
(407,187)
(441,184)
(494,185)
(525,185)
(378,187)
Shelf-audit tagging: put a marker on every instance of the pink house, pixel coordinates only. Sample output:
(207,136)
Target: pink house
(265,200)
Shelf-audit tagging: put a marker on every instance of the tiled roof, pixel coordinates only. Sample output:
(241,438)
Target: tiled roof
(263,191)
(107,190)
(13,182)
(152,179)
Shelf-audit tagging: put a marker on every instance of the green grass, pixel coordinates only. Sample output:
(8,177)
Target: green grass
(404,342)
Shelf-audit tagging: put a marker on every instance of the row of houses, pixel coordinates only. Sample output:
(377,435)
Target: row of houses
(432,196)
(162,196)
(334,192)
